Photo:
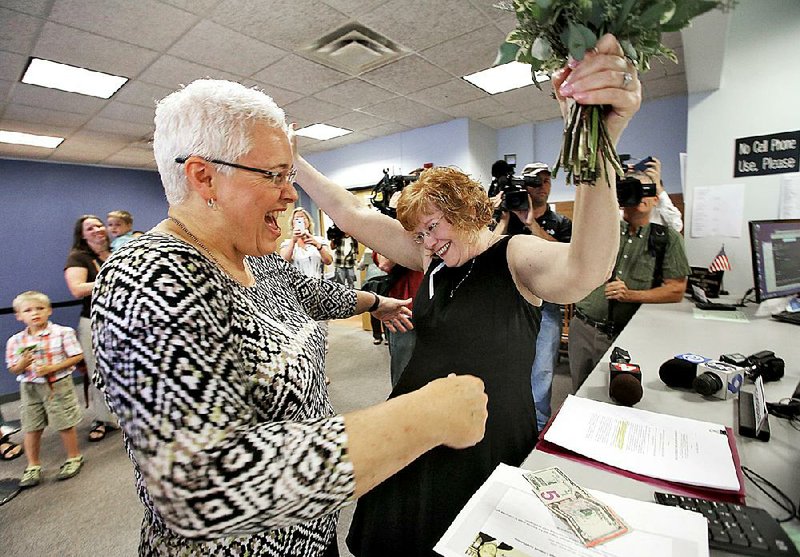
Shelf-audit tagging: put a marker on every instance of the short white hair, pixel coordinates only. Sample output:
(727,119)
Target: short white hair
(212,119)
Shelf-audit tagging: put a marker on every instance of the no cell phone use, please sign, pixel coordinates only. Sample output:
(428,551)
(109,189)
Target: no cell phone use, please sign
(767,154)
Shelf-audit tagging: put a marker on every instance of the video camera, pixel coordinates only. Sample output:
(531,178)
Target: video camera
(383,191)
(515,196)
(334,235)
(630,192)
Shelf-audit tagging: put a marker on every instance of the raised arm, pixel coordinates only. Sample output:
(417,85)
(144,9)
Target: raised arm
(566,273)
(383,234)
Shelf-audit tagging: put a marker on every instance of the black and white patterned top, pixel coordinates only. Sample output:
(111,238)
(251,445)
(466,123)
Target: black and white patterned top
(220,393)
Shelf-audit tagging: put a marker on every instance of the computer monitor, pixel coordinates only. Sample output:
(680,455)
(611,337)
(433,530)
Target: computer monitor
(775,249)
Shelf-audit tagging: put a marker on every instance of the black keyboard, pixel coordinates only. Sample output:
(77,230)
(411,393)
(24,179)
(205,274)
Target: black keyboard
(788,317)
(736,528)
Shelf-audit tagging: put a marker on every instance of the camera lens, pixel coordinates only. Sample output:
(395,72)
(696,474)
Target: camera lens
(707,383)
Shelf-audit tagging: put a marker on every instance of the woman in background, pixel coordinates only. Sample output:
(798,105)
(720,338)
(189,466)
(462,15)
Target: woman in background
(90,248)
(305,251)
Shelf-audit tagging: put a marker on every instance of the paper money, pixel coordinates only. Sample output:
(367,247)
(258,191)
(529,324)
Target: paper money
(592,521)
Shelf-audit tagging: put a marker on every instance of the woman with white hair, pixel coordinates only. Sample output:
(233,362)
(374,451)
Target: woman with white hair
(209,354)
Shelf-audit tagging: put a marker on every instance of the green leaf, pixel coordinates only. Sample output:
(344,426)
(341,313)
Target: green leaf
(506,53)
(685,11)
(652,15)
(541,49)
(544,4)
(596,17)
(629,50)
(622,16)
(579,39)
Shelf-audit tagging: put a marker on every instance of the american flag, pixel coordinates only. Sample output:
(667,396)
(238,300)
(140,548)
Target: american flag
(720,262)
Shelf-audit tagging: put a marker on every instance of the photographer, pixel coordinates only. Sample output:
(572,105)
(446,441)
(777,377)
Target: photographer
(540,220)
(651,268)
(345,253)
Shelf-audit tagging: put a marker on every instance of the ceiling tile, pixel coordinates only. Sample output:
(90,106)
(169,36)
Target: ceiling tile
(88,146)
(30,7)
(280,96)
(348,139)
(521,99)
(357,121)
(39,115)
(116,110)
(79,48)
(310,110)
(141,94)
(504,120)
(300,75)
(468,53)
(354,8)
(295,25)
(5,88)
(144,22)
(33,95)
(455,91)
(354,93)
(11,151)
(218,47)
(12,65)
(418,24)
(119,128)
(18,31)
(172,72)
(505,20)
(198,7)
(481,108)
(408,112)
(406,75)
(386,129)
(37,128)
(131,157)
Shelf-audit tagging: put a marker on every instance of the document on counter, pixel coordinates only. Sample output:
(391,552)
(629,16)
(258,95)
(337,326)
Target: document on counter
(504,517)
(656,445)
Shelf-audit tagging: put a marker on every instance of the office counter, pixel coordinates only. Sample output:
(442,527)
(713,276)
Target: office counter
(657,333)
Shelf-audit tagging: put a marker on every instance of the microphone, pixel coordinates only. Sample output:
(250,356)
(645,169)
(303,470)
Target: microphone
(625,384)
(625,381)
(678,373)
(718,379)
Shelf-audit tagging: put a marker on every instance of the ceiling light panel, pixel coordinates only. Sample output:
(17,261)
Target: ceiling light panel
(505,77)
(322,131)
(72,79)
(18,138)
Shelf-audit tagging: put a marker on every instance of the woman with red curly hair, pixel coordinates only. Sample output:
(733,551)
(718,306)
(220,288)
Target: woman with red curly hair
(477,310)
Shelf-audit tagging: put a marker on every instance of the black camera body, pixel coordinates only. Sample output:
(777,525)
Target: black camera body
(630,192)
(515,196)
(764,364)
(334,235)
(383,191)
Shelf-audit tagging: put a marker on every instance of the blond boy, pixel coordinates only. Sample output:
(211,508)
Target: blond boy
(120,226)
(43,357)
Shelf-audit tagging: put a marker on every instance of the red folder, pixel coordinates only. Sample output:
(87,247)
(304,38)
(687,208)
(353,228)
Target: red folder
(676,487)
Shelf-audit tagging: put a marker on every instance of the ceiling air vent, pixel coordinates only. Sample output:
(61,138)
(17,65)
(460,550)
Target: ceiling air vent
(354,49)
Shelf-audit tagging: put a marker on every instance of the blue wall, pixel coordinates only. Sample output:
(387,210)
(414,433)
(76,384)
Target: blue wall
(40,204)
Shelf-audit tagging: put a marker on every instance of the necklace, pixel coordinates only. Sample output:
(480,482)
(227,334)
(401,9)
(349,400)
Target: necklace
(453,291)
(196,240)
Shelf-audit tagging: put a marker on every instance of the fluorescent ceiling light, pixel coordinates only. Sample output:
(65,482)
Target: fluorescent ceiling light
(505,77)
(322,131)
(72,79)
(29,139)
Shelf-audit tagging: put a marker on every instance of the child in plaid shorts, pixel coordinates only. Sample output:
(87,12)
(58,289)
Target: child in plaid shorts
(43,357)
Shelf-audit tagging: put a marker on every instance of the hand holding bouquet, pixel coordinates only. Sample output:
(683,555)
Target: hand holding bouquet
(553,33)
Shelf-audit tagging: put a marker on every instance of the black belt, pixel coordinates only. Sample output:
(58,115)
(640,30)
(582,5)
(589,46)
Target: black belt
(603,326)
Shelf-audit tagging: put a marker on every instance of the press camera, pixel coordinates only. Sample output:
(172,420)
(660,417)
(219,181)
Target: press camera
(630,192)
(515,196)
(388,186)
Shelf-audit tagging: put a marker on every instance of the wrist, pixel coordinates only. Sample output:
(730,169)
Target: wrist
(375,304)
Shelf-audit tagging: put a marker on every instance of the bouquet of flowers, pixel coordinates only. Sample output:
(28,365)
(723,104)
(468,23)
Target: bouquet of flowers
(550,31)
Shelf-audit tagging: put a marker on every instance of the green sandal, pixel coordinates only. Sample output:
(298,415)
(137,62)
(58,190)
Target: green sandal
(31,476)
(70,468)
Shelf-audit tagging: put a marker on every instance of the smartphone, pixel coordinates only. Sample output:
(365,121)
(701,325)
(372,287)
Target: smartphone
(300,225)
(641,166)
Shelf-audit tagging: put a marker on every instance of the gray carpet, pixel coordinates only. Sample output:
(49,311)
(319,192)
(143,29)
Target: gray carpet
(98,513)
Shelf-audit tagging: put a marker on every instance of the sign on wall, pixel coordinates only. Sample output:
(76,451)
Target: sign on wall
(767,154)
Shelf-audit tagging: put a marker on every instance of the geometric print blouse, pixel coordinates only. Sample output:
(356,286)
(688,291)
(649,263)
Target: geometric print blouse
(220,393)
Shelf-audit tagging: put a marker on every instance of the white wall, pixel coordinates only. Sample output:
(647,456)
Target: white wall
(759,95)
(482,144)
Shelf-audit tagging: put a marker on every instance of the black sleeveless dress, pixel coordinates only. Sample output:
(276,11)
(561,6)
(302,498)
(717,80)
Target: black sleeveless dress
(476,323)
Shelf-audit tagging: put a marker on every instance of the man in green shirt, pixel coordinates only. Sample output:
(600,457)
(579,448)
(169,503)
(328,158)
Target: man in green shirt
(637,279)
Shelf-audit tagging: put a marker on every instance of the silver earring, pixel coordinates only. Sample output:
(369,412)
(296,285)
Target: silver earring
(212,204)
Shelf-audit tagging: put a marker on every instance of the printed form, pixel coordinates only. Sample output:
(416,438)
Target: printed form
(656,445)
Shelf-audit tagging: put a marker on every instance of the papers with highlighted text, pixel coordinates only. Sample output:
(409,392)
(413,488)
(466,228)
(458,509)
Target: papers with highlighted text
(657,445)
(504,517)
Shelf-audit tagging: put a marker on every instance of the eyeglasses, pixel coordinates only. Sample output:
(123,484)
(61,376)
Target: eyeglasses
(419,237)
(277,178)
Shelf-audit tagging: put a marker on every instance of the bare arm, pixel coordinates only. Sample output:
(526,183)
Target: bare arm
(63,364)
(76,281)
(287,251)
(380,232)
(385,438)
(670,291)
(566,273)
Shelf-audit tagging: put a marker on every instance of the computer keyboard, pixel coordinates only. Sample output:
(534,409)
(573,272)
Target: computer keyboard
(788,317)
(736,528)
